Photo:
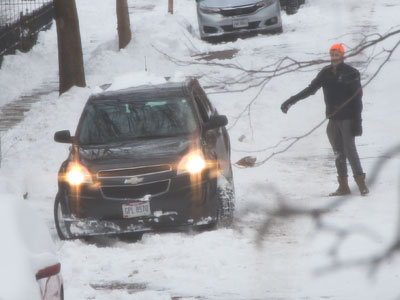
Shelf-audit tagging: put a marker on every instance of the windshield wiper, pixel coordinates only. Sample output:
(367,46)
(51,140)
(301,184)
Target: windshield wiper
(131,140)
(149,137)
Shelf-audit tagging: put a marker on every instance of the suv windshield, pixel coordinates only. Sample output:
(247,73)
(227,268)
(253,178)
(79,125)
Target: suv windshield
(113,121)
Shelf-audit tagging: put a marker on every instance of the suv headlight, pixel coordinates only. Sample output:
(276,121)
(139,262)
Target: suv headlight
(265,3)
(77,174)
(210,10)
(192,163)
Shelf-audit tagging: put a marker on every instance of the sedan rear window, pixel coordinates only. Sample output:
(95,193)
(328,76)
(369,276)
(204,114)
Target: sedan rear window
(116,121)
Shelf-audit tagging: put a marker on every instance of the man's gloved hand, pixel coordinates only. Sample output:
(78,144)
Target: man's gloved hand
(286,105)
(356,127)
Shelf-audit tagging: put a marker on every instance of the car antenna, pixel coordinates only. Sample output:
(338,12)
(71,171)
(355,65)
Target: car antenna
(145,64)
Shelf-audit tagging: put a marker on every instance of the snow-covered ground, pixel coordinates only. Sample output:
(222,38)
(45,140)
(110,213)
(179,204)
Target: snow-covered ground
(229,263)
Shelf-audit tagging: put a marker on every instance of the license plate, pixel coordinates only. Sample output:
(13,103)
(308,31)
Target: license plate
(133,210)
(240,23)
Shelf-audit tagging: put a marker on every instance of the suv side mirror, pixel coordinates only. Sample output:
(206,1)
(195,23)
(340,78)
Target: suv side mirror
(63,136)
(216,122)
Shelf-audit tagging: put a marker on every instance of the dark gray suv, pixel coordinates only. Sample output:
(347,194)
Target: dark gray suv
(143,159)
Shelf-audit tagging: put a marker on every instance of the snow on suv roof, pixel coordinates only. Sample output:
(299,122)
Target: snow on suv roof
(144,91)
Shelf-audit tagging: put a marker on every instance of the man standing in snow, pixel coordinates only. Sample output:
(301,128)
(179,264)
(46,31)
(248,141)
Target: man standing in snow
(342,93)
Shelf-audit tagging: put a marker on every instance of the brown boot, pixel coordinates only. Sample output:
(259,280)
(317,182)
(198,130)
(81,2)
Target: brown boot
(343,188)
(360,180)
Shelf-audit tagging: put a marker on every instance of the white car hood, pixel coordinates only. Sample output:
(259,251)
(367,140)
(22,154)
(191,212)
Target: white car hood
(27,248)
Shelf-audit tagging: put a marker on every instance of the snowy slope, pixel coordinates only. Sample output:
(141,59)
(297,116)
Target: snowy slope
(227,263)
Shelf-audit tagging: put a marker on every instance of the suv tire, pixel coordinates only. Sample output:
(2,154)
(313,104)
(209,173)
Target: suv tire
(225,201)
(62,227)
(292,6)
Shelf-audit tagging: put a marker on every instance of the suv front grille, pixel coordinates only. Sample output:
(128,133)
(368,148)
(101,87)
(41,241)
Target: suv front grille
(140,171)
(238,11)
(136,191)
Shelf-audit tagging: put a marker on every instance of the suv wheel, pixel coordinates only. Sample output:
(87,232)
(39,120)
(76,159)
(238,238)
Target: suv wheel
(225,201)
(292,6)
(62,227)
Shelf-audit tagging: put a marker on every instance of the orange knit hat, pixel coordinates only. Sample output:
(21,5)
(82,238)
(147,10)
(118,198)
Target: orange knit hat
(338,47)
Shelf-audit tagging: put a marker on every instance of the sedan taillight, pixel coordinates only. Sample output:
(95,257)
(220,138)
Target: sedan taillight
(48,272)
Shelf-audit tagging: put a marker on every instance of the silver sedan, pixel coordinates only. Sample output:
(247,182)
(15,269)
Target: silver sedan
(232,18)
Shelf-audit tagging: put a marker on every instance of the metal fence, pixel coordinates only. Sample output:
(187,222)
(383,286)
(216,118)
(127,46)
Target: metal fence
(20,22)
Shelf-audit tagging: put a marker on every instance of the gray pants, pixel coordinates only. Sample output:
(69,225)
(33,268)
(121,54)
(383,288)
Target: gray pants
(343,144)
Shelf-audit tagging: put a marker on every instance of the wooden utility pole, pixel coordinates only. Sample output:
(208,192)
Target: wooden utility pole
(70,57)
(124,26)
(171,6)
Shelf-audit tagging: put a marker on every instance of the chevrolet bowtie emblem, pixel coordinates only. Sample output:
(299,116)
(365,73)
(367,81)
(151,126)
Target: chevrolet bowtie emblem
(133,180)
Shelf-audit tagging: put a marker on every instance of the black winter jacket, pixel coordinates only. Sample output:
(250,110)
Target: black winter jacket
(342,92)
